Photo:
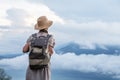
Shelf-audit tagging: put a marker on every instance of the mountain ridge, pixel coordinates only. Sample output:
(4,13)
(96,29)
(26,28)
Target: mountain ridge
(78,49)
(3,56)
(83,49)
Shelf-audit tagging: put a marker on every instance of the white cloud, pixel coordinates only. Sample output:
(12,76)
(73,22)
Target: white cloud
(19,62)
(13,14)
(17,17)
(105,64)
(91,32)
(5,22)
(33,10)
(2,31)
(20,18)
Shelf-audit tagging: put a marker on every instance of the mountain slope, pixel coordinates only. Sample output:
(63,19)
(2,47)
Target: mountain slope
(78,49)
(3,56)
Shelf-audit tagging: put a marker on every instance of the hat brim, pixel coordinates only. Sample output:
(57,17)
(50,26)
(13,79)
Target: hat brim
(46,26)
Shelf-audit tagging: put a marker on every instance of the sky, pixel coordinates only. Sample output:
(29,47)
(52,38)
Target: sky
(89,21)
(85,22)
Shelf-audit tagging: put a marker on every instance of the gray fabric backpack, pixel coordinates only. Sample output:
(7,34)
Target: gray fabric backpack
(38,56)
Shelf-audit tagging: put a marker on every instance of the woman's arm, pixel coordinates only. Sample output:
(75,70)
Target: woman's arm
(50,50)
(26,48)
(51,45)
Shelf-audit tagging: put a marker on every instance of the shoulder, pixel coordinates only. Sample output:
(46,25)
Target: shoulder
(51,39)
(31,37)
(51,35)
(34,34)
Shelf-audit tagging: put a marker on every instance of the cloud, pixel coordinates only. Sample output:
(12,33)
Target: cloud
(88,32)
(85,11)
(3,29)
(87,24)
(1,35)
(22,20)
(16,20)
(105,64)
(4,21)
(19,62)
(17,17)
(17,12)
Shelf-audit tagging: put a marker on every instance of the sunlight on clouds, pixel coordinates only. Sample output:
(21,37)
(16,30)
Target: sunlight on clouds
(41,9)
(30,21)
(34,11)
(20,31)
(5,22)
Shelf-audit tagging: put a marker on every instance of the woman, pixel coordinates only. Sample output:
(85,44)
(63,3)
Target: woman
(40,74)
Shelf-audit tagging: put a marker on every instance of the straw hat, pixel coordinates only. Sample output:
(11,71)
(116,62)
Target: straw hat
(43,23)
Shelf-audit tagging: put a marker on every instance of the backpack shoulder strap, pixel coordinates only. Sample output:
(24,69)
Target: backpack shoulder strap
(34,35)
(49,35)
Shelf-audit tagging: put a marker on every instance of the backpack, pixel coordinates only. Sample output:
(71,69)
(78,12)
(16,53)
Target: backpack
(38,56)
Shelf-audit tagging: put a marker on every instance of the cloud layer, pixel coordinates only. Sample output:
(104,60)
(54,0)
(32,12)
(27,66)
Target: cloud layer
(92,32)
(19,62)
(105,64)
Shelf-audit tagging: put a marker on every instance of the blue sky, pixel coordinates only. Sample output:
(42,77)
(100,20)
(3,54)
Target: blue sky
(85,22)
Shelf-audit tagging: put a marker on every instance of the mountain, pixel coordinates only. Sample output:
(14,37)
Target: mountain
(78,49)
(83,49)
(3,56)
